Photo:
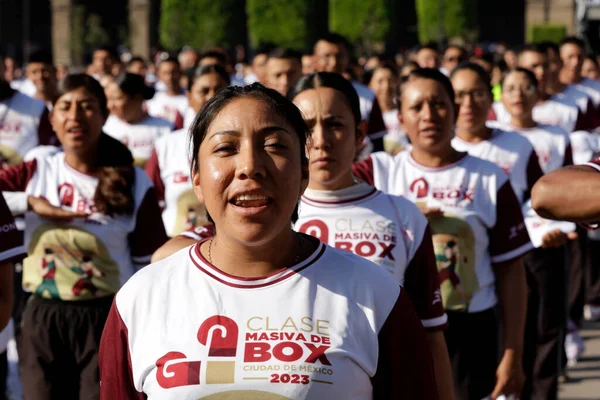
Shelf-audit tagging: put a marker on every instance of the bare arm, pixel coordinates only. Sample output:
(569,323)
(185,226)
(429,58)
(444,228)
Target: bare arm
(568,194)
(441,365)
(171,247)
(6,293)
(512,295)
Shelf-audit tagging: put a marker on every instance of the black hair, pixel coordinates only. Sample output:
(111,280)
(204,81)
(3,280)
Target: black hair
(213,54)
(135,59)
(572,40)
(429,46)
(337,39)
(133,85)
(431,74)
(169,59)
(286,54)
(111,50)
(532,48)
(333,81)
(368,75)
(528,74)
(40,56)
(116,173)
(196,73)
(481,73)
(280,105)
(264,48)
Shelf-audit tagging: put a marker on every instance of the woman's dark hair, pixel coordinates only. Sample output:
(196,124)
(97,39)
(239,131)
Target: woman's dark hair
(133,85)
(431,74)
(528,74)
(276,101)
(333,81)
(368,76)
(116,174)
(207,69)
(481,73)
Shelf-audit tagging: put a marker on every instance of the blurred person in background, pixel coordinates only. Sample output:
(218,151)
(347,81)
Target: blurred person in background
(188,58)
(406,69)
(137,65)
(42,73)
(219,57)
(453,55)
(308,65)
(283,69)
(172,103)
(572,53)
(589,68)
(103,59)
(259,64)
(510,58)
(428,56)
(128,121)
(62,70)
(331,53)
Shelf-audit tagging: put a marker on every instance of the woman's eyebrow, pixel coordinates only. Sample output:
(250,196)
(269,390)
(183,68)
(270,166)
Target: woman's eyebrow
(272,129)
(225,132)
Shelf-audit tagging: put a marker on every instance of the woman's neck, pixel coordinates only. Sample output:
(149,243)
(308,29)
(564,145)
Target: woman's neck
(569,77)
(342,183)
(237,259)
(386,104)
(474,136)
(135,117)
(84,163)
(523,123)
(439,159)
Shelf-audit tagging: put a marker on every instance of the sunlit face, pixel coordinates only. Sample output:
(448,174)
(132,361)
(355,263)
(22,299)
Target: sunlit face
(203,89)
(536,63)
(308,66)
(518,95)
(102,62)
(473,100)
(77,120)
(590,70)
(452,56)
(120,104)
(510,57)
(330,57)
(428,58)
(42,75)
(283,73)
(250,174)
(259,66)
(334,137)
(169,73)
(138,67)
(572,57)
(427,115)
(384,84)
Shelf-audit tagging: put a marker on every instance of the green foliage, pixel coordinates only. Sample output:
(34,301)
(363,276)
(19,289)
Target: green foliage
(458,19)
(77,34)
(548,32)
(286,23)
(363,22)
(201,23)
(95,35)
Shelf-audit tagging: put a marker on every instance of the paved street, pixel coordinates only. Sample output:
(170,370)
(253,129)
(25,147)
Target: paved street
(584,378)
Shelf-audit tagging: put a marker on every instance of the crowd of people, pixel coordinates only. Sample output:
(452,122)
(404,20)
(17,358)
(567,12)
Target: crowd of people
(301,226)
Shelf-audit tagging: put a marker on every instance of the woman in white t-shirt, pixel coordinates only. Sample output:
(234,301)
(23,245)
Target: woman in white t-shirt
(383,80)
(128,121)
(479,236)
(169,164)
(93,219)
(259,311)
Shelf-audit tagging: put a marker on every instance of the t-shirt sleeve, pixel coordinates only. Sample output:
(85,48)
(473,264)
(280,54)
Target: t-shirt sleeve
(46,135)
(114,359)
(422,284)
(152,169)
(16,178)
(404,366)
(363,170)
(178,123)
(11,240)
(149,233)
(508,238)
(534,172)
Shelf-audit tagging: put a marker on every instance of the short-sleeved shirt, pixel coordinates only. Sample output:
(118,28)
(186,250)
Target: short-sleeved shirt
(482,222)
(171,108)
(387,230)
(101,249)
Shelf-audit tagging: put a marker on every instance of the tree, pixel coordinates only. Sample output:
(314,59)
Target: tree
(441,19)
(366,23)
(287,23)
(201,23)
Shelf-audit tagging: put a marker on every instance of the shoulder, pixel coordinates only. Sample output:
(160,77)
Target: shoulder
(484,168)
(156,121)
(555,130)
(363,90)
(515,139)
(28,105)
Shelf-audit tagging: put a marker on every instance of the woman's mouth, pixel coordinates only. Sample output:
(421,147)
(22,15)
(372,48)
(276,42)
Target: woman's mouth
(251,201)
(322,161)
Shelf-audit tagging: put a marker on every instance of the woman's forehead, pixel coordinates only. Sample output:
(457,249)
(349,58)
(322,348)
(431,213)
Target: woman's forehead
(247,113)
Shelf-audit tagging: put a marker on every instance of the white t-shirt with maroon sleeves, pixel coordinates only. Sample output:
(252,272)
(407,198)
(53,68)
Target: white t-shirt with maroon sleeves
(89,257)
(385,229)
(140,137)
(169,170)
(482,222)
(332,326)
(171,108)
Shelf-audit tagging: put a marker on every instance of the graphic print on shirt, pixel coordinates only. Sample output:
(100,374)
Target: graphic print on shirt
(454,247)
(190,212)
(297,347)
(9,156)
(68,263)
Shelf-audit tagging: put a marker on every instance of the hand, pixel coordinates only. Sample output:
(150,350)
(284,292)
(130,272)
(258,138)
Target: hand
(432,212)
(573,235)
(553,239)
(46,210)
(509,376)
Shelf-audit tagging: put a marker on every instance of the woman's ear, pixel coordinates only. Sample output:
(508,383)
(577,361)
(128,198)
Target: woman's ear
(361,133)
(401,121)
(197,188)
(305,178)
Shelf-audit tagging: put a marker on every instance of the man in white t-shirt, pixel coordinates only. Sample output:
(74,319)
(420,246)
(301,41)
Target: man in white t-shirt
(172,103)
(332,54)
(283,69)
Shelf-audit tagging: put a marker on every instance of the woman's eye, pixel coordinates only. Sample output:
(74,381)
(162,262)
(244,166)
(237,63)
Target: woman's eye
(224,148)
(275,145)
